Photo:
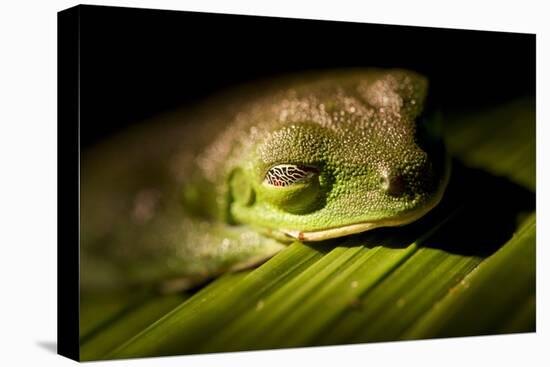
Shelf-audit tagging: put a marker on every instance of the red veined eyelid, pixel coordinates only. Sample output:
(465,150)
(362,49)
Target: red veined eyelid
(283,175)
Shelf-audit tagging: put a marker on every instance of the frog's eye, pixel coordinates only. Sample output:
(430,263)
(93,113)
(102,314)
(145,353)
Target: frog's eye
(284,175)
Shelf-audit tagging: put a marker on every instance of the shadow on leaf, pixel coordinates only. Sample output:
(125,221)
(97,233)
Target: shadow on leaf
(483,212)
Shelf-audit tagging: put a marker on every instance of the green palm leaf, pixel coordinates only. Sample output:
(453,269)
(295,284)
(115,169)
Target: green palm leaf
(467,268)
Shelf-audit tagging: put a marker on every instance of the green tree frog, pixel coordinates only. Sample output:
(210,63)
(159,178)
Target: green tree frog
(227,185)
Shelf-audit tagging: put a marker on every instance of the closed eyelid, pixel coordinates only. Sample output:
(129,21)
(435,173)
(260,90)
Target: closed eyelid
(283,175)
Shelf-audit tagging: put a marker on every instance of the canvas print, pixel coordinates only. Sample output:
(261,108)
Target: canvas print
(252,183)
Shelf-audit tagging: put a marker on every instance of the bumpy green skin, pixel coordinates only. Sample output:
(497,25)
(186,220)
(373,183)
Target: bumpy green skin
(374,162)
(358,129)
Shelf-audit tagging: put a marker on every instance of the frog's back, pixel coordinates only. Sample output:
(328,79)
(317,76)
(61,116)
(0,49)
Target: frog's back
(133,185)
(362,104)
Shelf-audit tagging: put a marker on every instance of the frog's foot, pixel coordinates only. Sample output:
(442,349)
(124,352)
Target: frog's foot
(207,250)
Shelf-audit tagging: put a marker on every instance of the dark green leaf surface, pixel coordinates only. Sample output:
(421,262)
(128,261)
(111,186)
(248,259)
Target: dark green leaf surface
(468,268)
(473,306)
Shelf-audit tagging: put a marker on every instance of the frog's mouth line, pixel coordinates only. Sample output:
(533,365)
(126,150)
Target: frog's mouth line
(350,229)
(355,228)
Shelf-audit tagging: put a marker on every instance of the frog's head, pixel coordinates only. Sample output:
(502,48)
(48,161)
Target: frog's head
(338,156)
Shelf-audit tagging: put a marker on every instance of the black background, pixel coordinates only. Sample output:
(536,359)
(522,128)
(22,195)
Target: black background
(135,63)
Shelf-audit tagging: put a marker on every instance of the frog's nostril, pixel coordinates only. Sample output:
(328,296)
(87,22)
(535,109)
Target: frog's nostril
(394,185)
